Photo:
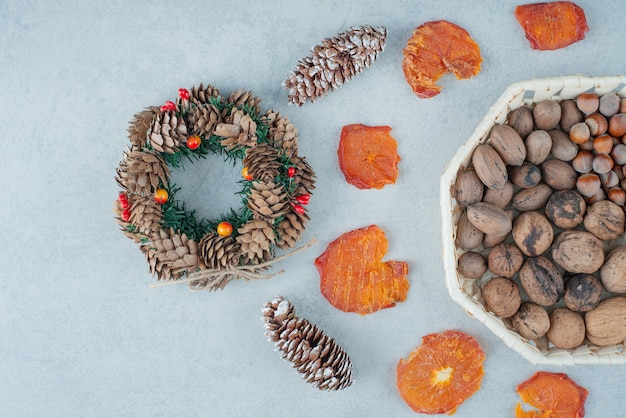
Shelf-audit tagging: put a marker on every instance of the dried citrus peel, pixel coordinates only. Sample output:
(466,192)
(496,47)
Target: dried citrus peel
(367,156)
(436,48)
(553,25)
(555,395)
(442,373)
(353,277)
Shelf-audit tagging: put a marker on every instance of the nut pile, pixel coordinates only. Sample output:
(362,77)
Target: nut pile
(543,213)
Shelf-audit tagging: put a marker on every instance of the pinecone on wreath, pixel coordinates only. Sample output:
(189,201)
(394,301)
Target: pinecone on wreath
(167,132)
(204,119)
(201,95)
(304,177)
(335,61)
(170,255)
(282,132)
(140,125)
(318,357)
(242,97)
(255,238)
(218,252)
(141,171)
(261,162)
(146,214)
(290,229)
(240,132)
(268,200)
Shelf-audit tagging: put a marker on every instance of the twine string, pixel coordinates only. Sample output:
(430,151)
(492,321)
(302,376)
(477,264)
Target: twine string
(214,279)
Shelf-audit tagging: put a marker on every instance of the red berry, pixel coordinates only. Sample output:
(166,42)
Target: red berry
(303,199)
(183,94)
(161,196)
(291,171)
(124,204)
(298,209)
(168,106)
(193,142)
(126,215)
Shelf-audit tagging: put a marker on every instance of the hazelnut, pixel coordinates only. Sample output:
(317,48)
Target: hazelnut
(588,184)
(618,154)
(603,144)
(602,163)
(617,196)
(588,103)
(609,104)
(580,133)
(617,125)
(597,124)
(582,163)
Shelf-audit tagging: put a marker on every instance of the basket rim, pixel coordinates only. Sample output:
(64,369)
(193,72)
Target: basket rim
(514,96)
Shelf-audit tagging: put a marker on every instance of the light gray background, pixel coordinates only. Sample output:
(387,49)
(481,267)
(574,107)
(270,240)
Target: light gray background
(82,332)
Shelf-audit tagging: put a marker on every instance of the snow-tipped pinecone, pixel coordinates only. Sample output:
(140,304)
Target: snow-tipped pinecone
(140,125)
(290,229)
(141,171)
(170,255)
(203,119)
(201,95)
(242,97)
(268,200)
(262,162)
(255,238)
(239,133)
(304,177)
(146,214)
(218,253)
(282,133)
(167,132)
(335,61)
(320,360)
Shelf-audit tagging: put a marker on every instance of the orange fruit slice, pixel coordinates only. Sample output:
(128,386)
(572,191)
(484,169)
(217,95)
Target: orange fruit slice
(554,25)
(367,156)
(554,394)
(436,48)
(353,277)
(442,373)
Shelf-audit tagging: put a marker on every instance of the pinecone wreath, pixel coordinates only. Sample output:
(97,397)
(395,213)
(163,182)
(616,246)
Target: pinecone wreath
(335,61)
(276,186)
(320,360)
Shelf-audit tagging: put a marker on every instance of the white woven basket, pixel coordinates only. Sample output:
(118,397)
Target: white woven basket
(467,292)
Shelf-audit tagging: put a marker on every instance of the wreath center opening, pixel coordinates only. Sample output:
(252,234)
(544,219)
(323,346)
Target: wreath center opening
(209,186)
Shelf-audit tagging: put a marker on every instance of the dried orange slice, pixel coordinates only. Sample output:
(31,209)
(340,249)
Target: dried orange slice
(353,276)
(552,25)
(554,394)
(442,373)
(434,49)
(367,156)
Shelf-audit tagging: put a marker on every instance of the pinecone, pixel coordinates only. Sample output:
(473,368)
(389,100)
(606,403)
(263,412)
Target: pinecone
(201,95)
(304,177)
(255,238)
(240,132)
(241,98)
(290,229)
(204,119)
(171,255)
(320,360)
(141,171)
(262,162)
(268,200)
(282,132)
(336,60)
(167,132)
(218,253)
(140,124)
(146,214)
